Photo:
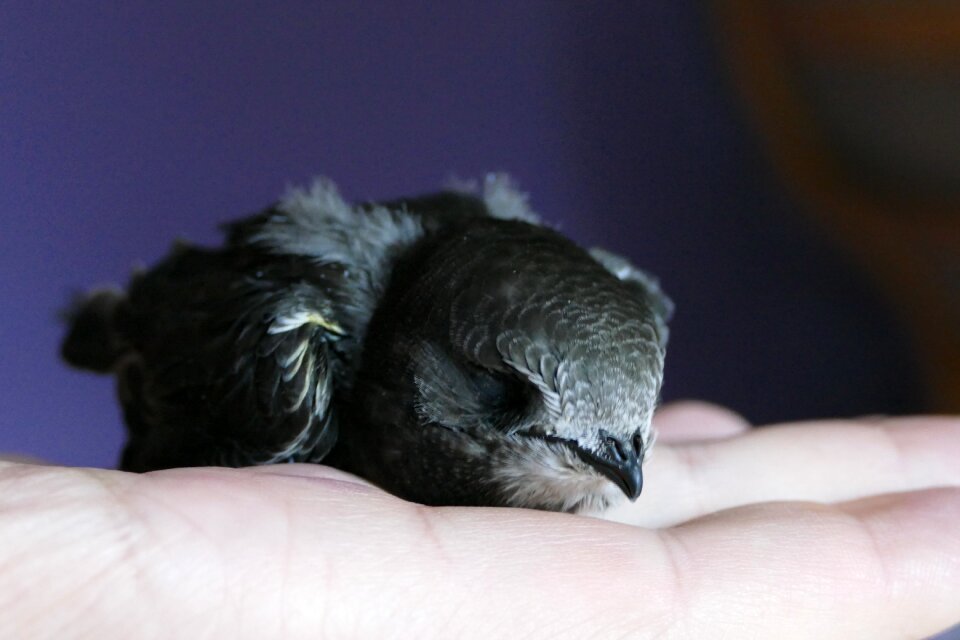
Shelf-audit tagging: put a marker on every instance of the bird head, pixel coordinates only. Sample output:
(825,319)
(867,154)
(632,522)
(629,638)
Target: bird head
(506,366)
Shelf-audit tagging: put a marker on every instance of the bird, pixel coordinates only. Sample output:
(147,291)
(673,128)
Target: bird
(450,348)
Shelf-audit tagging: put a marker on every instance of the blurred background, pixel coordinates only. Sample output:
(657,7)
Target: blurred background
(789,169)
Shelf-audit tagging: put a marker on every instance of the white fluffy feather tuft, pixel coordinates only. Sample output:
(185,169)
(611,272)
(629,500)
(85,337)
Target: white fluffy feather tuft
(533,473)
(319,222)
(500,193)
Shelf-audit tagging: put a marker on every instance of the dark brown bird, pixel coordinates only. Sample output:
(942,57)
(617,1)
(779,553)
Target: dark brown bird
(447,347)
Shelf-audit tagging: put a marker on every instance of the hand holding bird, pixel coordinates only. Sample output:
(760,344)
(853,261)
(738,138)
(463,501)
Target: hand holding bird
(835,529)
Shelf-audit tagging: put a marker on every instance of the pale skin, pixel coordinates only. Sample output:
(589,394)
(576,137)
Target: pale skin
(839,529)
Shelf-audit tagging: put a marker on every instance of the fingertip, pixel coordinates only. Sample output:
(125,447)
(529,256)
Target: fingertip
(696,420)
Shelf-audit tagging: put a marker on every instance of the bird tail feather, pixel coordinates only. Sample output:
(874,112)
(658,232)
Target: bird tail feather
(93,339)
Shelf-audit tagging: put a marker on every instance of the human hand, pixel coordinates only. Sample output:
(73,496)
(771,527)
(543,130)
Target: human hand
(726,540)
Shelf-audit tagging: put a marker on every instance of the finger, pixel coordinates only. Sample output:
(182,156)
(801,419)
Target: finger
(367,565)
(692,420)
(819,461)
(883,567)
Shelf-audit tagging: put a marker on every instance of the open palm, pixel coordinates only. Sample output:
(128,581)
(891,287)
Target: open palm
(841,529)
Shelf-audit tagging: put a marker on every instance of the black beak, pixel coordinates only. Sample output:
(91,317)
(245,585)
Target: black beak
(619,462)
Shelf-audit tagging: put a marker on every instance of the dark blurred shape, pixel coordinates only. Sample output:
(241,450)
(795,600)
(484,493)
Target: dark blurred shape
(858,105)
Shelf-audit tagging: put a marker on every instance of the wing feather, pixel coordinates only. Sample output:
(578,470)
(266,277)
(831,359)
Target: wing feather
(232,361)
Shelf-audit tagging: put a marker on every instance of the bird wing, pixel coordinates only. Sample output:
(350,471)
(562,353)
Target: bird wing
(232,360)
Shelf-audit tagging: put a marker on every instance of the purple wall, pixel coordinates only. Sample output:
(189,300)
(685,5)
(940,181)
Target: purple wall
(123,127)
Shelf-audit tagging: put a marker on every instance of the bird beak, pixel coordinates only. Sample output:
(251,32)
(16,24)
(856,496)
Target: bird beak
(618,462)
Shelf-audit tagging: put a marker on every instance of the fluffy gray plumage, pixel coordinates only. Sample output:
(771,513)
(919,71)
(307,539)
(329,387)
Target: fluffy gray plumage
(447,347)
